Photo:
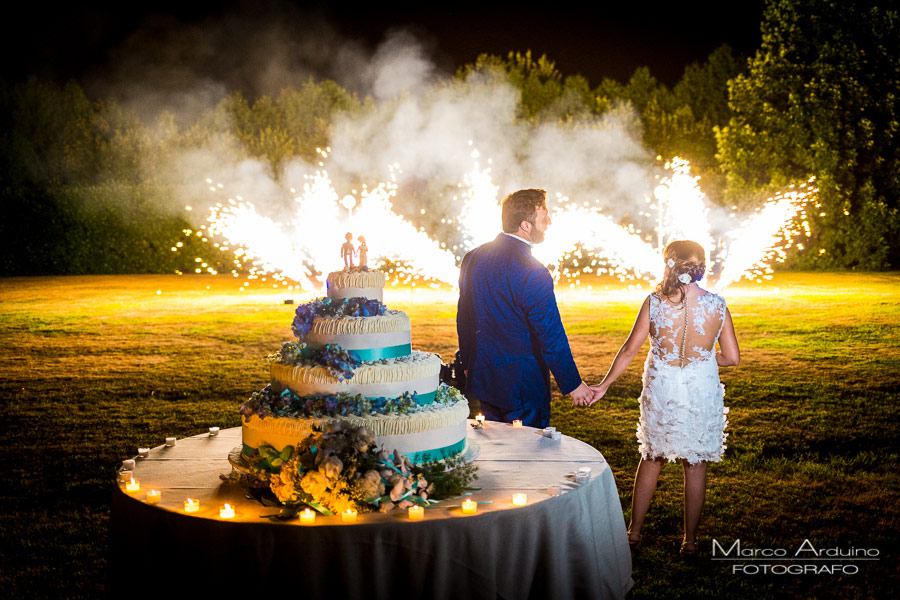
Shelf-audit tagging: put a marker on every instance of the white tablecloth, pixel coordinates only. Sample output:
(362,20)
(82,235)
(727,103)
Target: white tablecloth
(570,546)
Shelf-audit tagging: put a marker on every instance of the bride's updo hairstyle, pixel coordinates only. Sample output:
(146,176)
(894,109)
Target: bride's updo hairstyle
(682,258)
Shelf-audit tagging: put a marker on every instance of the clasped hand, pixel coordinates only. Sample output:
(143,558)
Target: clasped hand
(585,395)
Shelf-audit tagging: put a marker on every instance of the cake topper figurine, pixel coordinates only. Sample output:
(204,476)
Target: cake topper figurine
(363,252)
(347,251)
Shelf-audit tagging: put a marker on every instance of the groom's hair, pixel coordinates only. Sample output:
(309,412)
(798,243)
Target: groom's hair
(521,206)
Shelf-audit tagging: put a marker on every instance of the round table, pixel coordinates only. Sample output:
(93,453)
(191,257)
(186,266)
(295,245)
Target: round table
(572,545)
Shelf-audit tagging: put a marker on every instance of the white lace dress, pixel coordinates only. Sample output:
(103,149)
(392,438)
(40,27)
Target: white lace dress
(682,408)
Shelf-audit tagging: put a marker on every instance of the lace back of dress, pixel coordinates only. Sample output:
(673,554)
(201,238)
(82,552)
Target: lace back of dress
(686,332)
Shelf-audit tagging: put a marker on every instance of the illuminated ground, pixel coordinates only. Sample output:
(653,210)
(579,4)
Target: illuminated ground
(94,367)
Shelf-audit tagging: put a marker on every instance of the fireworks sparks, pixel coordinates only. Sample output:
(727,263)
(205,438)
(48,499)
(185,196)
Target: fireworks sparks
(582,241)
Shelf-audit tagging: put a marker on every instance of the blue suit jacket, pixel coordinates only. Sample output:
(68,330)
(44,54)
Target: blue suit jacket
(510,334)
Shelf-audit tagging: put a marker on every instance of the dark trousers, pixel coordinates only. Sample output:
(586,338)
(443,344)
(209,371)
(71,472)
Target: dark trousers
(530,416)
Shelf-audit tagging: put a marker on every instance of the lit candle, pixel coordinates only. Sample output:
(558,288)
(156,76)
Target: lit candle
(191,505)
(517,423)
(307,517)
(469,507)
(348,516)
(154,496)
(170,441)
(128,465)
(126,476)
(227,511)
(479,418)
(213,431)
(520,499)
(133,486)
(144,452)
(416,513)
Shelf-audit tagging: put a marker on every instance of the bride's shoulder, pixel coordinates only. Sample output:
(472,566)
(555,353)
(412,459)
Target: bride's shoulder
(712,298)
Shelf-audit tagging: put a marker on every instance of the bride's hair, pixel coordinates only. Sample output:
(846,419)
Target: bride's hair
(681,257)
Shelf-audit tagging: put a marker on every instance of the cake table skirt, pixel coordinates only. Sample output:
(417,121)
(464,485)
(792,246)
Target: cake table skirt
(570,546)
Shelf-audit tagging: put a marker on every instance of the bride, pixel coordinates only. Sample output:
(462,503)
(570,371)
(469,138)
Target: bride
(682,409)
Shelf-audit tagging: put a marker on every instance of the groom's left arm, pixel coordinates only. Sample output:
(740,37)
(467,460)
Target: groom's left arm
(539,303)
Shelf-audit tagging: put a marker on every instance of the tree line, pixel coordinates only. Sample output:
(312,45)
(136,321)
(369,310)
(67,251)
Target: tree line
(80,177)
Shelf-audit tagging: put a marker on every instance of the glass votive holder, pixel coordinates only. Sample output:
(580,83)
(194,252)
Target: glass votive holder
(170,441)
(128,464)
(416,513)
(154,496)
(226,512)
(469,507)
(191,505)
(307,517)
(517,423)
(213,431)
(143,452)
(520,499)
(349,516)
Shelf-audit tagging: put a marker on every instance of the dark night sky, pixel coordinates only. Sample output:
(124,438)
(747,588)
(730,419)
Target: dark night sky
(603,39)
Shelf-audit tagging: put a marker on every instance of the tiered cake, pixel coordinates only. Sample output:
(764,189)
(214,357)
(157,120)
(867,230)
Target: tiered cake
(389,388)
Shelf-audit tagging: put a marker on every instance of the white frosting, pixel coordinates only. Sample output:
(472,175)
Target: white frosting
(419,373)
(356,341)
(283,431)
(372,293)
(390,322)
(354,279)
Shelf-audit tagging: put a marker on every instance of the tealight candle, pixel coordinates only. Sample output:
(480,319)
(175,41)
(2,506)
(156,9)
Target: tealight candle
(144,452)
(548,431)
(154,496)
(469,507)
(520,499)
(307,517)
(479,418)
(581,478)
(128,465)
(191,505)
(416,513)
(126,476)
(553,490)
(556,436)
(517,423)
(227,511)
(213,431)
(348,516)
(170,441)
(133,486)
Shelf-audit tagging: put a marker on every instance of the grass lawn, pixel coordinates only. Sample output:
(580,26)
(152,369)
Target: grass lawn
(94,367)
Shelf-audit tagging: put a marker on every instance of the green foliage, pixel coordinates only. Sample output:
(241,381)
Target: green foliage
(295,123)
(545,95)
(822,97)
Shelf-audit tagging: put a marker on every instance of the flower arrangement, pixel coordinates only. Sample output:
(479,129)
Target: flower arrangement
(326,307)
(339,362)
(269,402)
(339,469)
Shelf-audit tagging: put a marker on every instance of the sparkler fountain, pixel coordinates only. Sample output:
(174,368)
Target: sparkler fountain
(738,246)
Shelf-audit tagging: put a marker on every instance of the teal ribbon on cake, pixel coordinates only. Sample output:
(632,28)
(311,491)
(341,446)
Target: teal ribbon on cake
(415,457)
(437,453)
(370,354)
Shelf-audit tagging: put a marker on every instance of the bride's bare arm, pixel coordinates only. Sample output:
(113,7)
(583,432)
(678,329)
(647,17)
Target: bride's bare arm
(729,354)
(639,332)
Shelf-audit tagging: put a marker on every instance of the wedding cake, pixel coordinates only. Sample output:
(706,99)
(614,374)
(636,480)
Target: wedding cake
(353,361)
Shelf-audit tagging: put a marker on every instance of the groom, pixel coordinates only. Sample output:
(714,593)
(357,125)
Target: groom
(510,334)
